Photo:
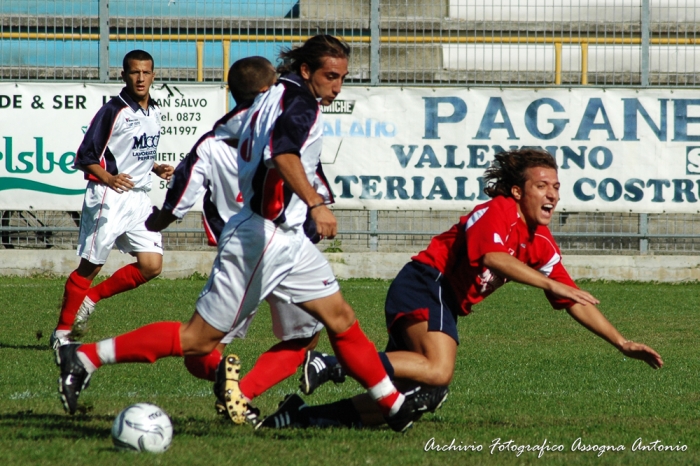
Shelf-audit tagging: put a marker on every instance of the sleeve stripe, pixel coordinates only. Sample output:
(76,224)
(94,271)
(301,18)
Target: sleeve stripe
(475,216)
(554,260)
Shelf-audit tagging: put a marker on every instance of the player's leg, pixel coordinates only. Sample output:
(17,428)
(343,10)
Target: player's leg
(95,241)
(253,258)
(357,412)
(430,356)
(299,333)
(423,332)
(219,308)
(74,292)
(311,283)
(136,240)
(204,367)
(148,265)
(145,344)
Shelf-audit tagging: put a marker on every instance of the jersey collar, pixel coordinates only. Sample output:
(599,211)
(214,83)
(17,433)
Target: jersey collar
(296,79)
(132,103)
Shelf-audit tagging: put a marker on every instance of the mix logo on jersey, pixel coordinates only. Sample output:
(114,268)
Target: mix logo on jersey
(145,147)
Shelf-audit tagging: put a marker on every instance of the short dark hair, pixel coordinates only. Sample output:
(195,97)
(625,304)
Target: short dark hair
(248,75)
(508,170)
(138,55)
(313,53)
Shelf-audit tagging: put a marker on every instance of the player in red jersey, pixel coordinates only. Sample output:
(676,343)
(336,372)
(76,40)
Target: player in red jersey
(504,239)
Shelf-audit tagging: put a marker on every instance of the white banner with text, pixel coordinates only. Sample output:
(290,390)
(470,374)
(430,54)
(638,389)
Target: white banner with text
(42,125)
(422,148)
(397,148)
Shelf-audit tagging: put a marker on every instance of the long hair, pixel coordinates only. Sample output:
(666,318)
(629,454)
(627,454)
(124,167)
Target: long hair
(138,55)
(508,170)
(313,53)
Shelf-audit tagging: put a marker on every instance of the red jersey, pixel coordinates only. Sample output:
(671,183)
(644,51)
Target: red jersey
(494,226)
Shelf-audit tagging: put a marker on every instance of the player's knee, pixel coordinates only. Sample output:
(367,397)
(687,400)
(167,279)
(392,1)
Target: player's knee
(197,347)
(342,319)
(151,270)
(193,343)
(440,376)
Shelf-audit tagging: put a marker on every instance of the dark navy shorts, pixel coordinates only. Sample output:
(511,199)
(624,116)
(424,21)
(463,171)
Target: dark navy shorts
(419,293)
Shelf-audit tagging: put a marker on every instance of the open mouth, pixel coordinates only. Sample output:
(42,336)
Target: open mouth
(547,209)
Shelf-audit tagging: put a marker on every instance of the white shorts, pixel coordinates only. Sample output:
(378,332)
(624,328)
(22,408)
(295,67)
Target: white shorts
(255,258)
(289,322)
(111,218)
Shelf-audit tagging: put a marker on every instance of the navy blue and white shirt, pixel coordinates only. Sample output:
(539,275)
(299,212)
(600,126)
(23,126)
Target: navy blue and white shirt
(210,169)
(286,119)
(122,138)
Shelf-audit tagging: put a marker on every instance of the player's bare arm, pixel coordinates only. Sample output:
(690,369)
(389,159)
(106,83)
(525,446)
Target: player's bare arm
(594,320)
(292,172)
(163,170)
(119,183)
(511,268)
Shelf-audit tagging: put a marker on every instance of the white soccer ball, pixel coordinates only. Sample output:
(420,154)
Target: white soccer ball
(142,427)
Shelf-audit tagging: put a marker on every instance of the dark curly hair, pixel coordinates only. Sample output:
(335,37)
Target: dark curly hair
(313,52)
(248,75)
(508,170)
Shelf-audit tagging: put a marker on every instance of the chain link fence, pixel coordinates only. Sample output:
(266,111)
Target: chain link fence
(410,42)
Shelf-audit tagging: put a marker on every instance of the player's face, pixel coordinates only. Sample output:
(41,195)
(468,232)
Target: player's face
(138,79)
(325,82)
(538,198)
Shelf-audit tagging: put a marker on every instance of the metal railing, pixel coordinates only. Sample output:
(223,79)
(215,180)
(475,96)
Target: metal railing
(634,42)
(397,231)
(414,42)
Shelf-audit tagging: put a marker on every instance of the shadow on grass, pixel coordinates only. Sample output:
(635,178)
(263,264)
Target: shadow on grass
(26,347)
(30,425)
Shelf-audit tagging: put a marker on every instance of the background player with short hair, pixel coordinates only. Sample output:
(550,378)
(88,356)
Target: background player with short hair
(117,155)
(211,169)
(503,239)
(263,249)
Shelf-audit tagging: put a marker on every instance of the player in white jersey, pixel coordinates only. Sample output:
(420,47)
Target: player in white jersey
(263,249)
(117,155)
(211,169)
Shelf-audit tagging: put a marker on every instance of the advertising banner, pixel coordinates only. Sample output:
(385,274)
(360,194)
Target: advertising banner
(421,148)
(42,125)
(388,148)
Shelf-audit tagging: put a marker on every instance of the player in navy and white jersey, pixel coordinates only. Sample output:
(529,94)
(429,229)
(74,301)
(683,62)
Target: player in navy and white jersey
(117,156)
(263,249)
(504,239)
(211,169)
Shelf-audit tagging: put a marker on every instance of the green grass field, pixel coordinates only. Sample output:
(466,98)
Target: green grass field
(525,374)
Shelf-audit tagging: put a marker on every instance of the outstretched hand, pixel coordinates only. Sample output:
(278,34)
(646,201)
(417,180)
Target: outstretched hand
(642,352)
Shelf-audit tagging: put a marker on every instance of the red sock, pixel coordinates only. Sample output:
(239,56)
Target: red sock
(360,359)
(125,279)
(146,344)
(204,367)
(73,295)
(272,367)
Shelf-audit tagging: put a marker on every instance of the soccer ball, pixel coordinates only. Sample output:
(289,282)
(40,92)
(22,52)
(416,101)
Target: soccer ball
(142,427)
